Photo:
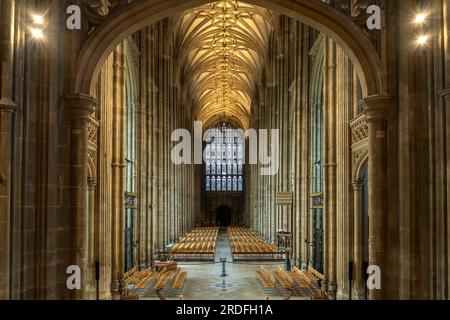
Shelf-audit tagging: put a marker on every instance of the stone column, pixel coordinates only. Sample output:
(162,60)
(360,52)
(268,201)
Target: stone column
(90,276)
(331,168)
(7,110)
(358,290)
(446,96)
(80,107)
(375,107)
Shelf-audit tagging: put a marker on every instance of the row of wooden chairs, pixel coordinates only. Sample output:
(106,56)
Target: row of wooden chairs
(255,247)
(199,241)
(291,280)
(205,230)
(194,247)
(299,280)
(243,241)
(316,274)
(178,280)
(199,238)
(165,283)
(138,279)
(266,278)
(161,279)
(310,279)
(284,278)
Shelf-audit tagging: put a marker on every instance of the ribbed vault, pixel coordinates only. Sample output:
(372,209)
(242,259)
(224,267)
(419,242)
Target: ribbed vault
(222,48)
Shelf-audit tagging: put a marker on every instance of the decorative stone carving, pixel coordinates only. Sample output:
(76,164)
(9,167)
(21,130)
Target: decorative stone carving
(97,11)
(357,11)
(93,129)
(360,140)
(357,154)
(103,7)
(93,126)
(360,129)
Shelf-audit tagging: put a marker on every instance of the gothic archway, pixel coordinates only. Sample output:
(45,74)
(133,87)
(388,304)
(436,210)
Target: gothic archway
(322,16)
(326,18)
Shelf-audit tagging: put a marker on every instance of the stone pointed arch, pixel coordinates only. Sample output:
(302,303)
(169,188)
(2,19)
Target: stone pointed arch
(361,160)
(315,13)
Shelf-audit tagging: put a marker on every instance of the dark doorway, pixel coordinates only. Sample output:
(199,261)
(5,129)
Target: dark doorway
(223,216)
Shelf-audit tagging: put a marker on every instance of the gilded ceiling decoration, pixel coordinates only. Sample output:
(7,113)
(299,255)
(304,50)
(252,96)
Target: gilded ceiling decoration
(223,48)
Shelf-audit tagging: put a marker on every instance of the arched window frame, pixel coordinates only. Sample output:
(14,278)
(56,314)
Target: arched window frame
(226,165)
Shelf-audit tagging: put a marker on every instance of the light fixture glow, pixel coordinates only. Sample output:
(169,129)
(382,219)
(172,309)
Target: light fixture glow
(420,18)
(38,20)
(422,40)
(37,33)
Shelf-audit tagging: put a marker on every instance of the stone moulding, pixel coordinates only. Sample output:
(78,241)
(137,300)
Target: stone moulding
(360,141)
(360,129)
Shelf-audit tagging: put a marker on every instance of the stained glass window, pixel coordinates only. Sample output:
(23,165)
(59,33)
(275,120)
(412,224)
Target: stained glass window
(224,158)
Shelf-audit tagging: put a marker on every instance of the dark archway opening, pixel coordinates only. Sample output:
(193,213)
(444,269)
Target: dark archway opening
(223,216)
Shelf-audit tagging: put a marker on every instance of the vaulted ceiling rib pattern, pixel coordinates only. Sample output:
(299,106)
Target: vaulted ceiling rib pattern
(222,48)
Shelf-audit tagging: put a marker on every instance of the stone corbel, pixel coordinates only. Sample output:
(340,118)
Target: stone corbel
(80,106)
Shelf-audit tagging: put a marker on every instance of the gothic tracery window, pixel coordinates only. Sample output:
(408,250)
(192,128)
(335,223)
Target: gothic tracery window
(224,160)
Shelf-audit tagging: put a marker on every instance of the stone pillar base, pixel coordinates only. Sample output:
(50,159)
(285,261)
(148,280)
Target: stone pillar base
(332,290)
(91,292)
(115,289)
(358,293)
(343,294)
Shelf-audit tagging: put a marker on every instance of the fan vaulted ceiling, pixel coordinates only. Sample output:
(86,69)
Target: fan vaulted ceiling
(223,48)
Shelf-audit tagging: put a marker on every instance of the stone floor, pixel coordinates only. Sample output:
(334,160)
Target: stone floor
(205,283)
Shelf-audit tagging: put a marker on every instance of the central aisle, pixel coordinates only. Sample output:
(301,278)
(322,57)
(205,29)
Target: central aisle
(223,247)
(205,283)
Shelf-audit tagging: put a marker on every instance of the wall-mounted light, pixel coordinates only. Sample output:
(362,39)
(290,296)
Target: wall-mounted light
(38,20)
(420,18)
(36,26)
(422,40)
(37,33)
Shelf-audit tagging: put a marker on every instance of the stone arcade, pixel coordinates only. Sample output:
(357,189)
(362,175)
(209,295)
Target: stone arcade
(86,177)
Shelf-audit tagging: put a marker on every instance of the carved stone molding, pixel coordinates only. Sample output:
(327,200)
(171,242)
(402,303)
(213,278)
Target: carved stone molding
(360,130)
(357,185)
(93,126)
(376,107)
(99,10)
(358,153)
(360,142)
(7,105)
(80,106)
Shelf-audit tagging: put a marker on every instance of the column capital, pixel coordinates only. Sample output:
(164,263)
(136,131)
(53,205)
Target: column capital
(358,184)
(92,183)
(375,107)
(80,106)
(7,105)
